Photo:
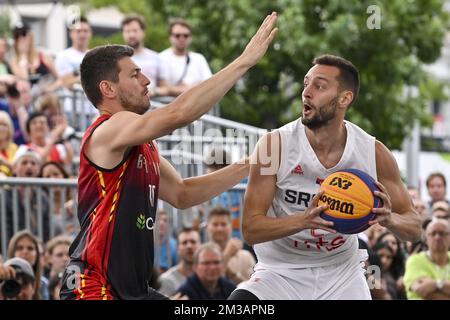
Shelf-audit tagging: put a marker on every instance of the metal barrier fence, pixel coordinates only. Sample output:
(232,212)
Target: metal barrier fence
(76,107)
(80,112)
(40,205)
(48,207)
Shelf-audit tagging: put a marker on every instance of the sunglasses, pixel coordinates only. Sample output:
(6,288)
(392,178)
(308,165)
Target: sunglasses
(179,35)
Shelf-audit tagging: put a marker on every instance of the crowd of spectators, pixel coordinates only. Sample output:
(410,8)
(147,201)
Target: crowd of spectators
(205,260)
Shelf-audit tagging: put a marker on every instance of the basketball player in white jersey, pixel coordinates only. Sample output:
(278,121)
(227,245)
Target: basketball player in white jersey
(300,255)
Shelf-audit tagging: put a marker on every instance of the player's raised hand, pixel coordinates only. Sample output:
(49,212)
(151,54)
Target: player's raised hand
(259,43)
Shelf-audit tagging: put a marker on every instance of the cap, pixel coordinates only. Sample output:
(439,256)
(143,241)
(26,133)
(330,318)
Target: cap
(25,150)
(22,265)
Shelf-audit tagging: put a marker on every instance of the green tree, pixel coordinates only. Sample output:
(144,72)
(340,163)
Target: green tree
(394,88)
(4,23)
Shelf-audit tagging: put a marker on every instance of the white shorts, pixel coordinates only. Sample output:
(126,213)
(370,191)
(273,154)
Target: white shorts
(342,281)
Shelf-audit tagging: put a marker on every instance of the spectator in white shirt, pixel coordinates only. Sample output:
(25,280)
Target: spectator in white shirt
(69,60)
(68,66)
(186,68)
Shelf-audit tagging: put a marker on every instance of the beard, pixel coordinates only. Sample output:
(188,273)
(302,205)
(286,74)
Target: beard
(322,116)
(134,44)
(181,48)
(132,104)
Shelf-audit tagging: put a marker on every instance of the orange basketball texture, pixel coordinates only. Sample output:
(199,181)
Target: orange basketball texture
(350,197)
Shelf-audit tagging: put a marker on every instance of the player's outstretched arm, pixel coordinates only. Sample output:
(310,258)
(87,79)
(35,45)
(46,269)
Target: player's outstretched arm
(397,213)
(185,193)
(195,102)
(257,227)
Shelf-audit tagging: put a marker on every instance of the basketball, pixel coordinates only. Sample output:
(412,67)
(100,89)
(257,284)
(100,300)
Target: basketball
(350,197)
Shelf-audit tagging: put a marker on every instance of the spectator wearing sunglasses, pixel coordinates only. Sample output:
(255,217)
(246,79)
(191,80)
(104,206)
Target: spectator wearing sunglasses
(185,68)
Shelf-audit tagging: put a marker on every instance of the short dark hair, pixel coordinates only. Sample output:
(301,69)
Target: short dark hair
(348,73)
(33,116)
(383,245)
(130,18)
(436,175)
(101,63)
(81,19)
(187,230)
(218,211)
(20,30)
(180,21)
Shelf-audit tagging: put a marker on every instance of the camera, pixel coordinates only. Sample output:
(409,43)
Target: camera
(11,287)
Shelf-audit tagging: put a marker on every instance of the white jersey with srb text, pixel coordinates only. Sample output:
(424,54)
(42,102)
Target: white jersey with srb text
(298,180)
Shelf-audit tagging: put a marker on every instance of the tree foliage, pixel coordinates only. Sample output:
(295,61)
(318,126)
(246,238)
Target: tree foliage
(395,90)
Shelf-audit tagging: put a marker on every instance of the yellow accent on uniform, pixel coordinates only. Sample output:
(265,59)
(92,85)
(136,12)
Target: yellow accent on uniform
(104,295)
(113,206)
(102,182)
